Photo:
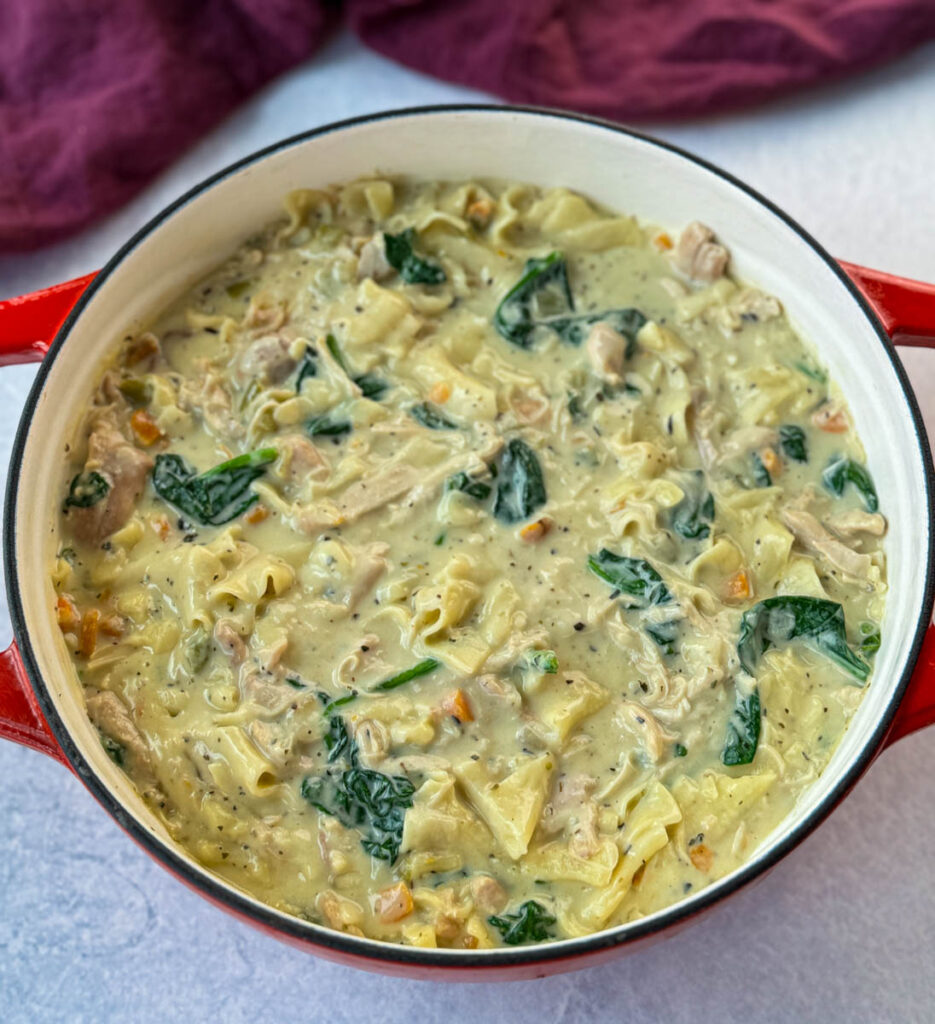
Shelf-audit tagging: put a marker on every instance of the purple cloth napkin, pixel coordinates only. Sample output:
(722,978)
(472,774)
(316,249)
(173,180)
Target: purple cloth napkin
(97,97)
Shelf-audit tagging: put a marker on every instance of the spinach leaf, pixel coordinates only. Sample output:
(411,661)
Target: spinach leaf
(664,635)
(308,367)
(423,413)
(793,443)
(778,620)
(296,683)
(679,750)
(634,577)
(761,477)
(541,661)
(869,639)
(332,705)
(359,797)
(574,329)
(691,516)
(86,489)
(842,471)
(543,287)
(214,497)
(474,488)
(324,424)
(542,298)
(743,730)
(574,407)
(817,375)
(520,486)
(530,923)
(421,669)
(411,268)
(371,386)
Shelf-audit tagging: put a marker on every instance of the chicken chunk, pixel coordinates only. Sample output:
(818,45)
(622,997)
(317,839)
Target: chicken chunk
(855,522)
(125,469)
(810,532)
(698,256)
(302,459)
(268,359)
(111,716)
(373,262)
(606,349)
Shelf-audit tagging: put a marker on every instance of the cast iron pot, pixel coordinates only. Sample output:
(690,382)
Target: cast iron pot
(851,314)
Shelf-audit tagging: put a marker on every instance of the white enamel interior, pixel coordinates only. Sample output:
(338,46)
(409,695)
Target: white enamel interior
(626,173)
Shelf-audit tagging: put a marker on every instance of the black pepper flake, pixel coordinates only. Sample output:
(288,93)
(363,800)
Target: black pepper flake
(579,626)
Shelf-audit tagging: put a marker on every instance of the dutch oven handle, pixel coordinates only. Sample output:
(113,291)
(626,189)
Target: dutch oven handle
(28,324)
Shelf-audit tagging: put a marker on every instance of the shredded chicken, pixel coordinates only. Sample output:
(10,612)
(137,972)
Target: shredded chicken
(373,262)
(489,895)
(124,468)
(376,491)
(809,531)
(698,256)
(370,565)
(572,810)
(606,349)
(230,641)
(268,359)
(108,712)
(302,458)
(655,740)
(855,522)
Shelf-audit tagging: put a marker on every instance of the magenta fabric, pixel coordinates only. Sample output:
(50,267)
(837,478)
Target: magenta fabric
(97,96)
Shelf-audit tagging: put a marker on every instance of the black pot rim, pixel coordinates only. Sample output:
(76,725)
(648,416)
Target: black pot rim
(384,953)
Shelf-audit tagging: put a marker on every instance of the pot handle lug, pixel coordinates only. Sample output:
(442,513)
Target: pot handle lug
(906,308)
(20,717)
(28,323)
(917,708)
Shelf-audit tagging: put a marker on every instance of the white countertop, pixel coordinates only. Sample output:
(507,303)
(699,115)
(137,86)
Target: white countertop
(842,930)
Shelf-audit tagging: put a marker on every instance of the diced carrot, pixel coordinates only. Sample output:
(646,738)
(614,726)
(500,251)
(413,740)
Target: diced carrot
(112,625)
(160,526)
(66,612)
(479,212)
(663,241)
(143,347)
(87,640)
(440,392)
(738,586)
(533,532)
(701,857)
(831,420)
(456,705)
(257,514)
(144,426)
(771,461)
(394,903)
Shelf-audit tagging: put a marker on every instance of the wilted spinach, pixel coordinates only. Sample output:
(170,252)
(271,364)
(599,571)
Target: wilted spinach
(411,268)
(634,577)
(842,471)
(664,634)
(214,497)
(530,923)
(308,367)
(813,374)
(421,669)
(86,489)
(761,477)
(779,620)
(541,661)
(542,298)
(793,443)
(743,730)
(691,516)
(468,485)
(869,639)
(371,386)
(423,413)
(360,798)
(324,424)
(115,750)
(520,485)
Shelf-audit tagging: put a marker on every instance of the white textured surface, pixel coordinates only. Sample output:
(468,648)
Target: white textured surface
(843,929)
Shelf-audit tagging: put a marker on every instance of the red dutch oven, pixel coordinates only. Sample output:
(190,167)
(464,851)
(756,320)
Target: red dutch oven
(852,315)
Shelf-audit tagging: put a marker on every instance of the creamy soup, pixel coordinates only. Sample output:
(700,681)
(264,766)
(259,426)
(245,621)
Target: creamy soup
(467,564)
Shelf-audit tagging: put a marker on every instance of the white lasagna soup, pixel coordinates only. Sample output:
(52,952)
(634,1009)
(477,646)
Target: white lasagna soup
(464,565)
